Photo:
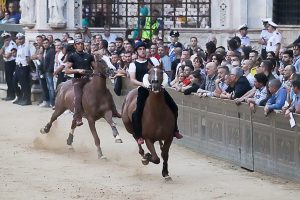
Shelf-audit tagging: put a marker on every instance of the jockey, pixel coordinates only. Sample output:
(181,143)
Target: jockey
(137,70)
(77,64)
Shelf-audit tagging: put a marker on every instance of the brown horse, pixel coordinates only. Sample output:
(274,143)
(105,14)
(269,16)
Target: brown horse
(97,102)
(158,121)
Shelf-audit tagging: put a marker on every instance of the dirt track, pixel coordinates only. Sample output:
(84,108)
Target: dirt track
(35,166)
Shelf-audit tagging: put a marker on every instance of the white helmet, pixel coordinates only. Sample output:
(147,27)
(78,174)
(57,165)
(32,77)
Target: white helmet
(5,34)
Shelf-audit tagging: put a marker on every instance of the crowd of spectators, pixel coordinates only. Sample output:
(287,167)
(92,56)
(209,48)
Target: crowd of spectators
(268,77)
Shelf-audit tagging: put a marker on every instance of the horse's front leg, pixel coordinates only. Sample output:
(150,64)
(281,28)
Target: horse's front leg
(55,115)
(165,155)
(152,157)
(108,118)
(96,138)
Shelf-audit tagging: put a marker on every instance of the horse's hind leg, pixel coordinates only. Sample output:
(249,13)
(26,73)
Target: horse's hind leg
(165,155)
(54,117)
(96,138)
(108,118)
(71,134)
(152,157)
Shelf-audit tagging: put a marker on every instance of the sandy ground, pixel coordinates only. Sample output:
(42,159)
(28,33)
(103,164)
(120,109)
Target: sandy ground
(35,166)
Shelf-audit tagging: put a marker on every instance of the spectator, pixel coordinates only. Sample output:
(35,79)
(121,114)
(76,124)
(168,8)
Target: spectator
(119,45)
(193,46)
(278,96)
(151,26)
(296,52)
(221,86)
(174,44)
(253,55)
(274,42)
(287,76)
(14,14)
(264,37)
(154,52)
(245,40)
(211,76)
(246,66)
(111,47)
(287,57)
(109,37)
(261,92)
(210,49)
(217,58)
(198,64)
(267,69)
(196,81)
(165,60)
(295,107)
(238,85)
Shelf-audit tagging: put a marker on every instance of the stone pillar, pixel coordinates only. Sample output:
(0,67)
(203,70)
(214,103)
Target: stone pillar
(41,10)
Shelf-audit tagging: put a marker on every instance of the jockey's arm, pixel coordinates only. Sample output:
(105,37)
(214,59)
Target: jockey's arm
(69,69)
(94,65)
(133,79)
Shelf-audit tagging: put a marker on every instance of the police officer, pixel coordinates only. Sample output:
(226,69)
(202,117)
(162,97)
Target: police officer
(264,37)
(137,70)
(22,74)
(245,40)
(77,64)
(174,43)
(9,64)
(274,41)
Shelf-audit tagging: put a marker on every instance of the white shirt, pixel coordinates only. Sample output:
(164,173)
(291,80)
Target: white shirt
(265,34)
(245,41)
(111,38)
(23,52)
(132,66)
(251,79)
(273,41)
(8,49)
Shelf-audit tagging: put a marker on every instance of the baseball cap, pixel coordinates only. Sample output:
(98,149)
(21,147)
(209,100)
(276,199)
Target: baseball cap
(174,33)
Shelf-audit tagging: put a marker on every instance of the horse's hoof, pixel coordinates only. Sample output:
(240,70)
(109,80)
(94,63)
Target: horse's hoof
(42,131)
(70,147)
(102,157)
(118,141)
(70,139)
(168,178)
(145,161)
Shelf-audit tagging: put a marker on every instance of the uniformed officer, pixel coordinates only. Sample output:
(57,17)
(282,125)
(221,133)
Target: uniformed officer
(9,64)
(264,37)
(136,71)
(174,43)
(274,41)
(77,64)
(22,74)
(245,40)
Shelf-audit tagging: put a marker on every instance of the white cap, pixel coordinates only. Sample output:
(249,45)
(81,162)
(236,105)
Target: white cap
(272,24)
(5,34)
(20,35)
(244,26)
(266,19)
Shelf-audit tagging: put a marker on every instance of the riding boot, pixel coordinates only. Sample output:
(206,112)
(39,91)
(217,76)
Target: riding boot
(138,113)
(173,106)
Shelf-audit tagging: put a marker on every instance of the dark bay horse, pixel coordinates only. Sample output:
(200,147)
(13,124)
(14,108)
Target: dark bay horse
(97,102)
(158,121)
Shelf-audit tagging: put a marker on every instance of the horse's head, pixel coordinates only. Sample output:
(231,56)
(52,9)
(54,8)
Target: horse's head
(101,66)
(156,79)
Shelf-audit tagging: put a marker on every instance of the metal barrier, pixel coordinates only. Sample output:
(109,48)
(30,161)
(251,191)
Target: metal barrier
(233,133)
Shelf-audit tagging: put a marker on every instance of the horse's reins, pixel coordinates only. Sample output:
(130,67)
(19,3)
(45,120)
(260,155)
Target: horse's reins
(91,73)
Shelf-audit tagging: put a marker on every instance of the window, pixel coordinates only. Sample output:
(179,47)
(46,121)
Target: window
(286,12)
(127,13)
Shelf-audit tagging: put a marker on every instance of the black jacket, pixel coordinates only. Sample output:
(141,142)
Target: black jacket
(48,60)
(241,87)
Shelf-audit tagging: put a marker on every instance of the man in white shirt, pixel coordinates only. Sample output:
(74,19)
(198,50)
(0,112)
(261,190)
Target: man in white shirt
(9,64)
(264,37)
(109,37)
(245,40)
(22,74)
(274,43)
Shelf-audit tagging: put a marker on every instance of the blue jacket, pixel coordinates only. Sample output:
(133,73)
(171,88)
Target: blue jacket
(277,100)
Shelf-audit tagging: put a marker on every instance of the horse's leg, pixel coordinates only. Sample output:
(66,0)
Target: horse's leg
(91,122)
(54,117)
(152,157)
(165,156)
(71,134)
(108,118)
